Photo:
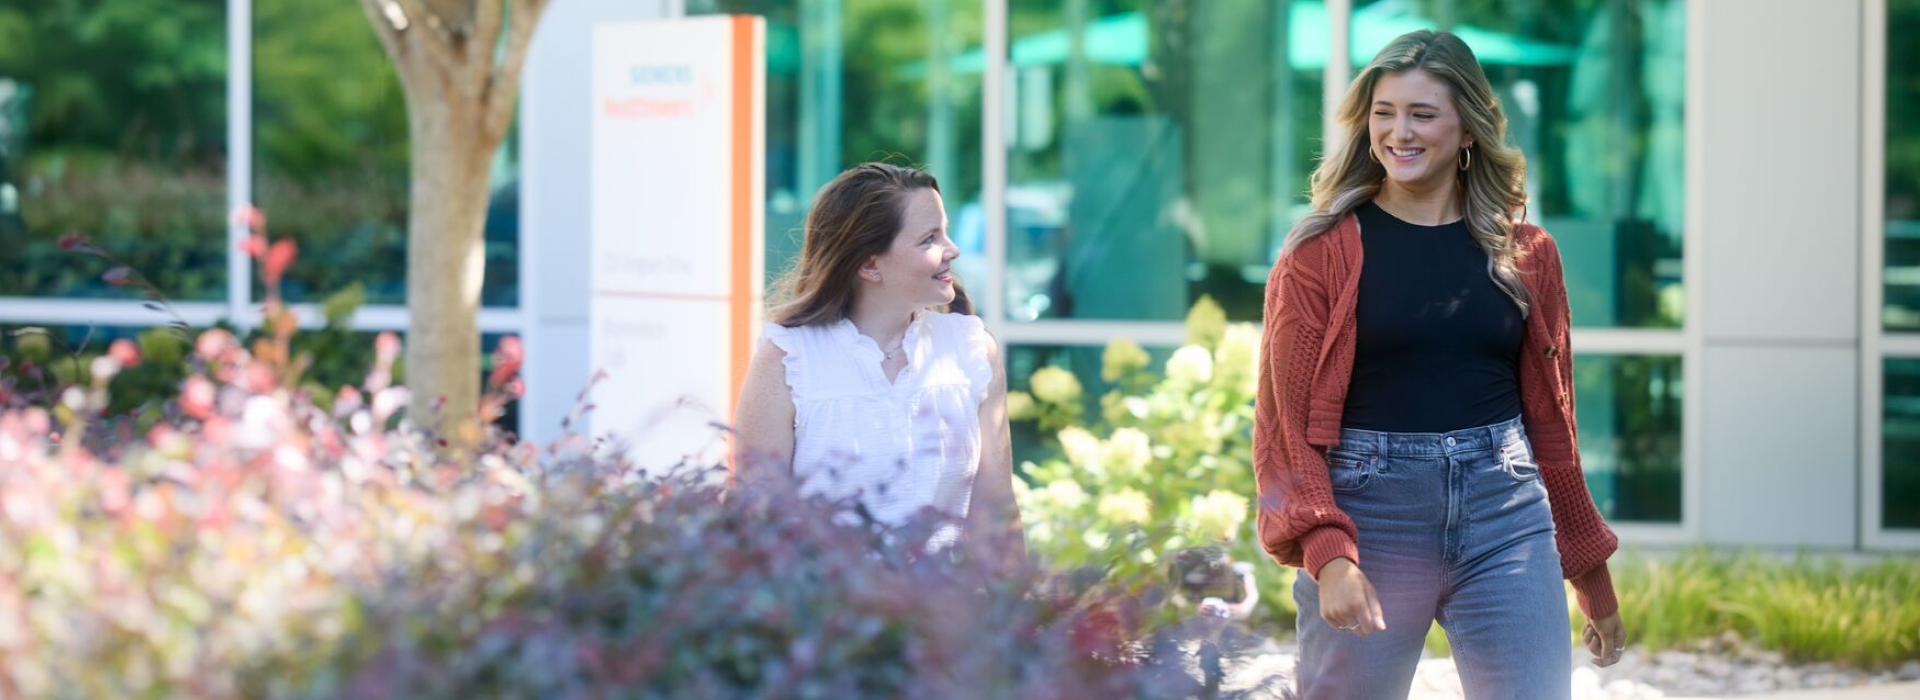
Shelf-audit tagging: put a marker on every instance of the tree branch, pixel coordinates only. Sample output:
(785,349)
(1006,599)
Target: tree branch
(443,47)
(503,86)
(388,23)
(486,35)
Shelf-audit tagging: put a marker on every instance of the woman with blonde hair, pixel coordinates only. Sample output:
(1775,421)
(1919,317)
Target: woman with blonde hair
(1414,437)
(874,382)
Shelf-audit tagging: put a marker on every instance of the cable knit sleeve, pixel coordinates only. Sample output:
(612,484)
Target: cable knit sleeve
(1582,536)
(1298,522)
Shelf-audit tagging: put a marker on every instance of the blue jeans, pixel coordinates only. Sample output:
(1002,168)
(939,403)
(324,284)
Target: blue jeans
(1454,527)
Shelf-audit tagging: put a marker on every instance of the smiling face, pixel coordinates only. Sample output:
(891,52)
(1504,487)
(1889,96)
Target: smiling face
(918,267)
(1416,131)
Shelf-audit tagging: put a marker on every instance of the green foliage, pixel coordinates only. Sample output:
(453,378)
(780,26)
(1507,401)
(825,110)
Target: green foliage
(1166,466)
(257,545)
(1809,608)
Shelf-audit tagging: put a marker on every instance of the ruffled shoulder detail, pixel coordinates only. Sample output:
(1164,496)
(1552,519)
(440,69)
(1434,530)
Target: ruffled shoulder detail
(790,341)
(975,346)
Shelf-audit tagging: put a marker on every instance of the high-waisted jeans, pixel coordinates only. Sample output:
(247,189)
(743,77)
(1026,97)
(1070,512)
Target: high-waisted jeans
(1454,527)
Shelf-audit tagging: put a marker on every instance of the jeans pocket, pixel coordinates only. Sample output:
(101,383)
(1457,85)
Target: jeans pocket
(1349,472)
(1517,458)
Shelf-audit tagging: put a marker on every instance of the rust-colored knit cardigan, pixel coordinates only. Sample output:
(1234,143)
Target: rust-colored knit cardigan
(1306,361)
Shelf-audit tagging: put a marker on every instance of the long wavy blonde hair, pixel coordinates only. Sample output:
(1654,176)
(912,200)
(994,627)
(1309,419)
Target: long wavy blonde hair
(1493,190)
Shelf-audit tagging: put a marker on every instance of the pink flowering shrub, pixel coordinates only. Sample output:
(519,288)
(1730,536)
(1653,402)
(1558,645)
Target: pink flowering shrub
(254,544)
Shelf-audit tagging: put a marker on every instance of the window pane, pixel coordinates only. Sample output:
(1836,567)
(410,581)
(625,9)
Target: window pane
(1902,310)
(1628,408)
(1148,166)
(332,159)
(113,125)
(850,81)
(1900,446)
(1595,95)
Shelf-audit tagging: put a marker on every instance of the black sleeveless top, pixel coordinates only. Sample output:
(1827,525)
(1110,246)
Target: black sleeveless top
(1438,343)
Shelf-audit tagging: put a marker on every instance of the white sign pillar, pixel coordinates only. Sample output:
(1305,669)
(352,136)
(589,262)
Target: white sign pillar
(677,228)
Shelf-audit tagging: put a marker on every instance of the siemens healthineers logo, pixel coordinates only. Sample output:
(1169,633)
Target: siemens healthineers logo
(663,90)
(667,74)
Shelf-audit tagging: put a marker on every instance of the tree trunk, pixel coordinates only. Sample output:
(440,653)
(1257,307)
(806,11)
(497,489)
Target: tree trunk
(459,63)
(445,265)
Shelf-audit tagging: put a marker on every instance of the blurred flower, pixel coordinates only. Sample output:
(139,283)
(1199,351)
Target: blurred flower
(1126,507)
(213,344)
(249,216)
(196,397)
(1219,514)
(1191,365)
(1238,354)
(1121,358)
(1082,448)
(1128,451)
(1066,493)
(1019,405)
(103,369)
(1206,321)
(1055,385)
(124,352)
(119,276)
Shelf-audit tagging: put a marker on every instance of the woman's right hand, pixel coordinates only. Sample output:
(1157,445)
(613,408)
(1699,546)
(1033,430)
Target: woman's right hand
(1347,600)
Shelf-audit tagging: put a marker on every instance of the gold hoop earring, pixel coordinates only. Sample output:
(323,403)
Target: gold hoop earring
(1467,153)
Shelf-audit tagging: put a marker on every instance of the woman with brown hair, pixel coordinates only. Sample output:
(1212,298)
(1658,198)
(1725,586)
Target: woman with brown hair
(874,382)
(1414,435)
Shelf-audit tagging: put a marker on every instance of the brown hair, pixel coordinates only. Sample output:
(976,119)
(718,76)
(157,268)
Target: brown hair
(855,217)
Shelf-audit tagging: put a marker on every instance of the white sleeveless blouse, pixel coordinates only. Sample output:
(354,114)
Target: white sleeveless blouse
(896,446)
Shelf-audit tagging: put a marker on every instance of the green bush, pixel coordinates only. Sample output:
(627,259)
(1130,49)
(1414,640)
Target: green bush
(1809,608)
(255,544)
(1166,466)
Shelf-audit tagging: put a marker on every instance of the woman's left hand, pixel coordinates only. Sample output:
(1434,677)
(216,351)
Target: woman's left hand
(1606,639)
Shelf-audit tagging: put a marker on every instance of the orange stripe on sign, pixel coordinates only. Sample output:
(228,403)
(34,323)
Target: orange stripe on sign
(742,171)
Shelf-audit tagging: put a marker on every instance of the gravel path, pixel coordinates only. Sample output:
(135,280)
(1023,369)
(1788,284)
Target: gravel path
(1718,668)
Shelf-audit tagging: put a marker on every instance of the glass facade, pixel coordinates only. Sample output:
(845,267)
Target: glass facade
(1595,95)
(1156,151)
(1900,445)
(1629,413)
(1900,398)
(113,125)
(850,81)
(331,164)
(1901,311)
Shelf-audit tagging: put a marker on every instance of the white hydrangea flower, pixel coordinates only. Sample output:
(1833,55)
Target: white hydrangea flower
(1019,405)
(1067,494)
(1126,507)
(1083,449)
(1128,451)
(1191,365)
(1239,351)
(1219,514)
(1055,385)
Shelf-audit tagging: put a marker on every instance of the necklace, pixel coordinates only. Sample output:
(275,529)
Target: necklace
(902,345)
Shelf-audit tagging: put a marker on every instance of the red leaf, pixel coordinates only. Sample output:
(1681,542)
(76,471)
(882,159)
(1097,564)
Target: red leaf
(255,246)
(70,241)
(278,258)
